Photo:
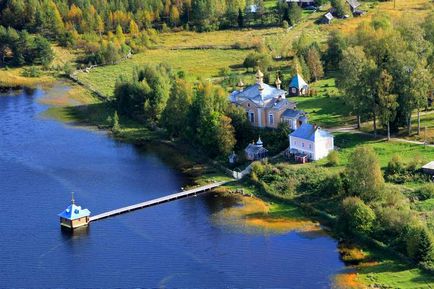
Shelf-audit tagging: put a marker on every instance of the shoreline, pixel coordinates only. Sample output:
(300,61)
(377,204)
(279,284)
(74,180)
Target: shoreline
(197,171)
(195,168)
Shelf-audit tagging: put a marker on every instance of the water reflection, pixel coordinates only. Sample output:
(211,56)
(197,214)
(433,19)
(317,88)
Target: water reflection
(68,234)
(177,244)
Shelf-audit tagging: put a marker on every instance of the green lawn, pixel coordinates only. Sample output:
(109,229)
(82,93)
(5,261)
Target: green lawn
(196,63)
(392,274)
(386,150)
(326,108)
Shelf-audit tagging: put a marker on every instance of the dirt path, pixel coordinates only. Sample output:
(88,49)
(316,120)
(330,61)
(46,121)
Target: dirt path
(354,130)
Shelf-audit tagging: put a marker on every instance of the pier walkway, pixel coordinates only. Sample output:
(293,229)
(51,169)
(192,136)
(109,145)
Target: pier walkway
(157,201)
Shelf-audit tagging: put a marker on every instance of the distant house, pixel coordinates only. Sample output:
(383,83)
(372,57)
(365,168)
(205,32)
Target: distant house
(429,168)
(256,151)
(302,3)
(252,8)
(326,18)
(354,4)
(263,103)
(298,86)
(294,118)
(310,142)
(358,12)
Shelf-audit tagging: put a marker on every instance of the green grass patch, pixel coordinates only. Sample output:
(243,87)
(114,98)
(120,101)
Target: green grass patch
(385,149)
(196,64)
(426,206)
(393,274)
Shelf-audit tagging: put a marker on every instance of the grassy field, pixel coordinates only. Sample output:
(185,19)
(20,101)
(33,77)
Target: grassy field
(385,150)
(13,78)
(196,63)
(393,274)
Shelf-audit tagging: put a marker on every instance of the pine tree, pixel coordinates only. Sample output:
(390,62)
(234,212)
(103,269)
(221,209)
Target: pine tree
(240,18)
(116,126)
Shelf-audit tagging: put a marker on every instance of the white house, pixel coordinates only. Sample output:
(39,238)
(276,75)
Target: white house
(310,142)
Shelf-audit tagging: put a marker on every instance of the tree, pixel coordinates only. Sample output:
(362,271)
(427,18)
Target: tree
(42,52)
(336,44)
(333,158)
(314,63)
(225,135)
(120,34)
(174,15)
(420,244)
(261,60)
(174,117)
(356,216)
(116,127)
(355,79)
(134,29)
(365,179)
(294,13)
(240,18)
(419,88)
(159,81)
(387,102)
(208,128)
(341,8)
(99,25)
(244,131)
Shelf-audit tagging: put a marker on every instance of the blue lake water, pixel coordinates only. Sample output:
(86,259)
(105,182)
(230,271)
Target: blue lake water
(173,245)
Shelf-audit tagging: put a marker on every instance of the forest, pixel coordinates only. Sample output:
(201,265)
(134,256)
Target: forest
(108,31)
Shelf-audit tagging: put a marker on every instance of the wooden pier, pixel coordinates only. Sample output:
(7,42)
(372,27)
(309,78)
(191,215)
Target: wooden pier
(157,201)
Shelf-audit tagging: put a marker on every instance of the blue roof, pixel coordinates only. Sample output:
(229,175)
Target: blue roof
(298,82)
(310,132)
(74,212)
(254,94)
(292,113)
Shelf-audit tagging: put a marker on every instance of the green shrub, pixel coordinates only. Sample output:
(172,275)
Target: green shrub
(285,24)
(333,158)
(356,216)
(395,166)
(420,244)
(425,192)
(32,71)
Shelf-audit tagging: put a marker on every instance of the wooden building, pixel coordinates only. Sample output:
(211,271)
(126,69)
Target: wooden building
(74,216)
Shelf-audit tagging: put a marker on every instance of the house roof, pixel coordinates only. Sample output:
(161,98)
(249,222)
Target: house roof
(298,82)
(328,16)
(260,97)
(301,1)
(255,149)
(74,212)
(429,166)
(292,113)
(310,132)
(353,3)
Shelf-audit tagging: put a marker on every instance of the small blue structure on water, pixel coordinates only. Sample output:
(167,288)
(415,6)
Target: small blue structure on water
(74,216)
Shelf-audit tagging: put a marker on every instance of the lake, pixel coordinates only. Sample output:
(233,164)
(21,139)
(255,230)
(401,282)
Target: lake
(172,245)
